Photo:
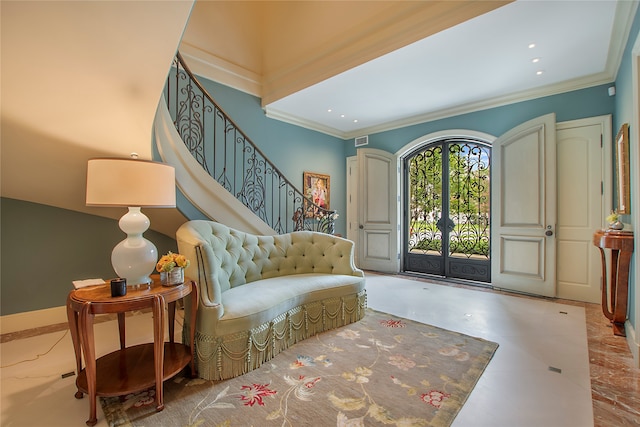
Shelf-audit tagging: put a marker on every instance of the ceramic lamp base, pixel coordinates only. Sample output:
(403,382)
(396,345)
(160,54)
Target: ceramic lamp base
(135,257)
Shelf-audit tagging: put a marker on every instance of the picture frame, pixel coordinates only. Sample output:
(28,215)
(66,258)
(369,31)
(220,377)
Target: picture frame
(317,187)
(622,170)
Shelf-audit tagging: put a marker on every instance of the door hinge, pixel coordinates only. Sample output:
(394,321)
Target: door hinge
(601,141)
(601,188)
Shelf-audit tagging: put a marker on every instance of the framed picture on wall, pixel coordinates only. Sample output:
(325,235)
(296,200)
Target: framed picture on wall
(622,170)
(316,188)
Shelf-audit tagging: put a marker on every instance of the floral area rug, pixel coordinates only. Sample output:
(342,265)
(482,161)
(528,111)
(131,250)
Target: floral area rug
(382,370)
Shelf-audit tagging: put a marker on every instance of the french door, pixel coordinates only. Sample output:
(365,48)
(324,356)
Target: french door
(447,233)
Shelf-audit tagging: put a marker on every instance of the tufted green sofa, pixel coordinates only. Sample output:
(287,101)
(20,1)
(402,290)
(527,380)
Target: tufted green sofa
(261,294)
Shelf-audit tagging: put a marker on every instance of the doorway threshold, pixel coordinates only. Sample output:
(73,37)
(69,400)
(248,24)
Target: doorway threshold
(447,280)
(469,284)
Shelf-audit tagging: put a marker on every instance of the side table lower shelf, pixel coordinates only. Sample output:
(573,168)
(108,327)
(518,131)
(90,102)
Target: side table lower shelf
(132,369)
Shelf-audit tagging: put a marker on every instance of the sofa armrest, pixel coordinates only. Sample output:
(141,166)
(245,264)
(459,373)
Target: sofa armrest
(203,265)
(341,255)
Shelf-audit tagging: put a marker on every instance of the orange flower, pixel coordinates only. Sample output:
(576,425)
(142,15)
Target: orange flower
(182,261)
(170,261)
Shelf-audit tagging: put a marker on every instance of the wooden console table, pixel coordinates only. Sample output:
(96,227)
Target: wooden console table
(614,305)
(136,368)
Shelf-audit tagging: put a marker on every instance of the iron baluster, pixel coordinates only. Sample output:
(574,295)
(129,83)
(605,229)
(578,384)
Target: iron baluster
(234,161)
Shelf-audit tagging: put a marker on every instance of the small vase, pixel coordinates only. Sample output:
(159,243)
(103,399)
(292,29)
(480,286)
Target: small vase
(173,277)
(616,225)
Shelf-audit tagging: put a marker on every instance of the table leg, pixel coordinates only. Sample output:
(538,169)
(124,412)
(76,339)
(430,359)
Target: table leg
(192,326)
(72,317)
(121,329)
(615,293)
(613,283)
(604,286)
(158,348)
(171,312)
(622,293)
(86,333)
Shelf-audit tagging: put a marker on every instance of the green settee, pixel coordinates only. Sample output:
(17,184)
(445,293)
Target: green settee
(261,294)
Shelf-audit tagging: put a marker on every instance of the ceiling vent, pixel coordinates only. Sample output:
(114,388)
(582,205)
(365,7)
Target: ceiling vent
(362,140)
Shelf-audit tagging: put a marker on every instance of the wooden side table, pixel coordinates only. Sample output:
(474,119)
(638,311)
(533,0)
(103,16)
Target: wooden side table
(136,368)
(621,245)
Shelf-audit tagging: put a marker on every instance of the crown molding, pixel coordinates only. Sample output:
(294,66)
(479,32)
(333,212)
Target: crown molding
(217,69)
(625,12)
(568,86)
(275,114)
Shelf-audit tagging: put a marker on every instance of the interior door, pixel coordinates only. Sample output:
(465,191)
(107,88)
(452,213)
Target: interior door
(583,167)
(377,210)
(523,196)
(352,203)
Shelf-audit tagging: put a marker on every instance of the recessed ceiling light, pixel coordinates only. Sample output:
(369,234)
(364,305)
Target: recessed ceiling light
(535,60)
(532,45)
(355,121)
(342,115)
(329,110)
(539,72)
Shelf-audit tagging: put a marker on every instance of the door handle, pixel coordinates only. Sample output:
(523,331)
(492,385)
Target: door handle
(361,226)
(548,233)
(445,222)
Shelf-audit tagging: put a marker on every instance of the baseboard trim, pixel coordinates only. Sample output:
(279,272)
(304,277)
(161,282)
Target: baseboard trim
(32,319)
(633,343)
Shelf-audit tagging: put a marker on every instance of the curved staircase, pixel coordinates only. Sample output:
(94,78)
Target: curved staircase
(221,173)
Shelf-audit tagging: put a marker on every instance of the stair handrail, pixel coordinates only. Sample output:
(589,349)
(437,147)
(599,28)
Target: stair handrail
(194,113)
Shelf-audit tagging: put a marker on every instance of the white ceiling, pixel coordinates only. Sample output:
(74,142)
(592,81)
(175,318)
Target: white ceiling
(481,63)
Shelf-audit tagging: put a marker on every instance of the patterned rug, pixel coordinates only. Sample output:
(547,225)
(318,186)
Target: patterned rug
(382,370)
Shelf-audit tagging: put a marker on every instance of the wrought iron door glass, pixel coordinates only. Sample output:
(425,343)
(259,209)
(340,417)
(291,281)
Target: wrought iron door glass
(448,219)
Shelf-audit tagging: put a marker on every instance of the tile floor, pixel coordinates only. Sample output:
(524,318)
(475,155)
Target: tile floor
(557,365)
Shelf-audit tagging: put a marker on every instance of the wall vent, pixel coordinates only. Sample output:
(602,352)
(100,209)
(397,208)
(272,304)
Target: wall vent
(362,140)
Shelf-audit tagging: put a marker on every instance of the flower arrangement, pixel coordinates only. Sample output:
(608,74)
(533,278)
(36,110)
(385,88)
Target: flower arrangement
(170,261)
(613,217)
(329,215)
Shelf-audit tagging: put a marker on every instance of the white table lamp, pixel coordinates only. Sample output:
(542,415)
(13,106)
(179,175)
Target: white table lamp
(134,184)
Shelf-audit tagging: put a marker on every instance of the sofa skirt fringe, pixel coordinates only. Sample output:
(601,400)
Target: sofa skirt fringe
(228,356)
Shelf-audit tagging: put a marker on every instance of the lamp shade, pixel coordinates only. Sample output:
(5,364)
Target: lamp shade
(134,184)
(129,182)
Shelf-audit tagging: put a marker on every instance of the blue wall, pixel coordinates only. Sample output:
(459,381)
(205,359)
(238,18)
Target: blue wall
(45,248)
(295,150)
(292,149)
(624,114)
(579,104)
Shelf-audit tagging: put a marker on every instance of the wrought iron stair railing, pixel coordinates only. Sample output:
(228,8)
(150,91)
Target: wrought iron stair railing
(226,153)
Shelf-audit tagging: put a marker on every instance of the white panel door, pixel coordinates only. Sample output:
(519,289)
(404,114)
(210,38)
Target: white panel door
(377,244)
(582,169)
(523,244)
(352,203)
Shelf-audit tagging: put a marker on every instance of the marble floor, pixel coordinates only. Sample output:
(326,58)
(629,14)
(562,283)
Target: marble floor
(558,363)
(615,381)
